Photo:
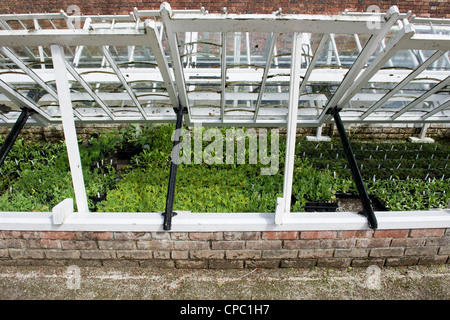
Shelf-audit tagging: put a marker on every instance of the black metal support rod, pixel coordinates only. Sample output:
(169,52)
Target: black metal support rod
(12,136)
(367,204)
(168,213)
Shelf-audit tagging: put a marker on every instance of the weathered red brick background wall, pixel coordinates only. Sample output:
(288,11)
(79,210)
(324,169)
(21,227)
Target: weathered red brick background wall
(421,8)
(288,249)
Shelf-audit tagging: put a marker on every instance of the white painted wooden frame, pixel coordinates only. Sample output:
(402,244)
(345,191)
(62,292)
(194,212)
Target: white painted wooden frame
(204,222)
(62,211)
(294,91)
(70,133)
(302,121)
(223,74)
(133,30)
(359,63)
(158,51)
(172,43)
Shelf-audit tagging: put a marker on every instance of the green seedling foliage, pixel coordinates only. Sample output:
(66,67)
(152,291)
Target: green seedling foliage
(35,175)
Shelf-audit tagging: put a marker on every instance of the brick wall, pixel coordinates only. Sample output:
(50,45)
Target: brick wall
(54,133)
(423,8)
(227,249)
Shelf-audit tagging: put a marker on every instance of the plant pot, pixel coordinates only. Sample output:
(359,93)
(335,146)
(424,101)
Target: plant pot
(128,152)
(318,206)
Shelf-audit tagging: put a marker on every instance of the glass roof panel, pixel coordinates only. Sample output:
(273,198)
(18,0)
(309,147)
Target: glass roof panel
(247,79)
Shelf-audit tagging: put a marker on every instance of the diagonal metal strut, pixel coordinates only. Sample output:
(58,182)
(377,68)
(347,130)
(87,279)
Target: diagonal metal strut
(168,213)
(14,133)
(35,95)
(367,204)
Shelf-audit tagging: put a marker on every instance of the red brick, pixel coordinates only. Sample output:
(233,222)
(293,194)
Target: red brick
(243,254)
(48,244)
(386,252)
(228,245)
(421,251)
(94,235)
(318,235)
(206,235)
(264,244)
(352,253)
(12,243)
(279,254)
(179,236)
(355,234)
(432,260)
(125,236)
(206,254)
(116,245)
(79,245)
(159,235)
(97,254)
(134,254)
(373,243)
(57,235)
(315,253)
(155,244)
(280,235)
(26,254)
(238,235)
(408,242)
(62,254)
(189,245)
(160,255)
(336,243)
(436,241)
(179,254)
(301,244)
(19,234)
(394,233)
(427,232)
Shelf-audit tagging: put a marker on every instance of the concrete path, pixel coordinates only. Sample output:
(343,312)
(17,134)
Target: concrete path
(72,283)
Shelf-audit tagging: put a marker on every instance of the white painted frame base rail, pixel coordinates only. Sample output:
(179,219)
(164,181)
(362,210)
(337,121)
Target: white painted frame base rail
(208,222)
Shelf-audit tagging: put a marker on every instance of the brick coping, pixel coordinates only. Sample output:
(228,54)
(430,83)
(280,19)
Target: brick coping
(227,249)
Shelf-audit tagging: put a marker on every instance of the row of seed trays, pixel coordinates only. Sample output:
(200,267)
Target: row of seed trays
(127,171)
(401,175)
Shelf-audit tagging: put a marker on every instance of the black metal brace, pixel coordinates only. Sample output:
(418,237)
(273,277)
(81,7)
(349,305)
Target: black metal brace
(33,94)
(366,202)
(13,134)
(168,213)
